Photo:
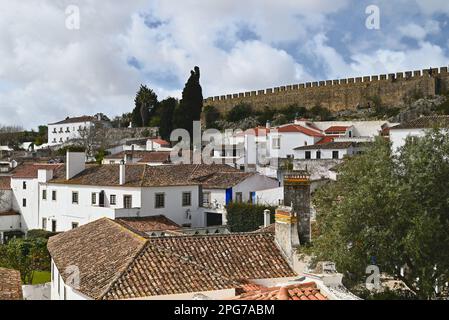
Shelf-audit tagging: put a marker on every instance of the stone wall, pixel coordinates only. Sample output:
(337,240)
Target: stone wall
(343,94)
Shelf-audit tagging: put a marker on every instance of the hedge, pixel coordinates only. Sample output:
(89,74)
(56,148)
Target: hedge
(243,217)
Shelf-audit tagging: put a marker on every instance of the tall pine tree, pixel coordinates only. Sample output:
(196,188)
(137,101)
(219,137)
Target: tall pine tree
(191,105)
(145,106)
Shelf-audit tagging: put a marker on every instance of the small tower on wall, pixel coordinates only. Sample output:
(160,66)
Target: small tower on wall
(297,195)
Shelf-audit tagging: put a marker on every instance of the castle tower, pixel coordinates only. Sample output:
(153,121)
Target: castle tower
(286,231)
(297,195)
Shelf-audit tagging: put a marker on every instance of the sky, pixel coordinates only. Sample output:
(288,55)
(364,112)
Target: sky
(79,57)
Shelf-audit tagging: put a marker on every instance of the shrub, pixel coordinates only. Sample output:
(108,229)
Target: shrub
(245,217)
(239,112)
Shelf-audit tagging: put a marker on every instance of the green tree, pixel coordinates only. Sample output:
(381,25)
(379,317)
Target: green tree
(211,115)
(191,104)
(25,255)
(391,211)
(145,106)
(239,112)
(166,110)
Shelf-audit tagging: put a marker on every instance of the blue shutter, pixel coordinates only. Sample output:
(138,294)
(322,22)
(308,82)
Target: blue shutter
(228,195)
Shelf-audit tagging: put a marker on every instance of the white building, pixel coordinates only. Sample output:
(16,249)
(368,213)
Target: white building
(152,158)
(141,144)
(61,197)
(72,128)
(415,129)
(328,151)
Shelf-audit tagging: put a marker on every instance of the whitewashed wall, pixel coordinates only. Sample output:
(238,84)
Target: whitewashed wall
(398,136)
(29,214)
(65,212)
(71,127)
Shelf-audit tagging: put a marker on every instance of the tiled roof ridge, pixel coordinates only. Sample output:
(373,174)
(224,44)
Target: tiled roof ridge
(131,261)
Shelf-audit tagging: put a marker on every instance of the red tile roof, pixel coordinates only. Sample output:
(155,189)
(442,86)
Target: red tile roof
(303,291)
(326,139)
(117,263)
(337,129)
(75,120)
(162,142)
(5,183)
(9,213)
(10,285)
(30,170)
(258,131)
(300,129)
(148,224)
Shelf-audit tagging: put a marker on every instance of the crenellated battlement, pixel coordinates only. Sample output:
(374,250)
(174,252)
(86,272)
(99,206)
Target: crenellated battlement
(342,93)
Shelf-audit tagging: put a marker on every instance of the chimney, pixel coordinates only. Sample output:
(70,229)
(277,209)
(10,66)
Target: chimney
(75,163)
(149,145)
(268,124)
(266,218)
(286,231)
(297,193)
(122,173)
(43,175)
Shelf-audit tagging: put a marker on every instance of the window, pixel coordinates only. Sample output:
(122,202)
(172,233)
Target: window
(44,223)
(350,134)
(318,154)
(334,154)
(112,199)
(186,199)
(127,202)
(75,225)
(24,185)
(94,198)
(276,143)
(53,225)
(53,195)
(24,202)
(206,199)
(44,194)
(160,200)
(308,155)
(75,197)
(238,197)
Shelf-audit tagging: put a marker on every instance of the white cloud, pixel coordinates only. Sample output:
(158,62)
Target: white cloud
(48,72)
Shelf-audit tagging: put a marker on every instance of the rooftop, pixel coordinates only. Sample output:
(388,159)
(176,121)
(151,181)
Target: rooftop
(426,122)
(145,156)
(10,285)
(141,175)
(294,128)
(337,129)
(117,263)
(75,120)
(149,224)
(30,170)
(303,291)
(5,183)
(331,145)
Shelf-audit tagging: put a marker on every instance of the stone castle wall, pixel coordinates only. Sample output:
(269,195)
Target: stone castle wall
(343,94)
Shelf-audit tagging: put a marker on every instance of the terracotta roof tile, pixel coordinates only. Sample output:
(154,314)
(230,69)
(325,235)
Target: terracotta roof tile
(75,120)
(5,183)
(337,129)
(303,291)
(29,170)
(162,142)
(426,122)
(10,285)
(9,213)
(117,264)
(141,175)
(144,156)
(332,145)
(148,224)
(300,129)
